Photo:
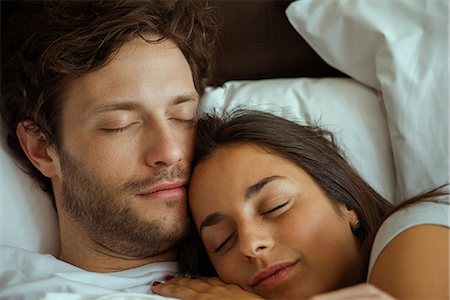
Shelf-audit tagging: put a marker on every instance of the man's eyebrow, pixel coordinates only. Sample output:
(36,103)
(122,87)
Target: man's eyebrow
(210,220)
(185,98)
(115,106)
(256,188)
(129,105)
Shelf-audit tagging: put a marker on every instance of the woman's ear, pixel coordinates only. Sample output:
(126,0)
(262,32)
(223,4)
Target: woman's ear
(349,212)
(37,149)
(353,219)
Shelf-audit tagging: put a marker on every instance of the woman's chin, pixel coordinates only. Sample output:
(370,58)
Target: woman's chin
(284,293)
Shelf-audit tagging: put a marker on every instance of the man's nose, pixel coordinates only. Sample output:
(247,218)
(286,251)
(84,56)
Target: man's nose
(165,147)
(255,240)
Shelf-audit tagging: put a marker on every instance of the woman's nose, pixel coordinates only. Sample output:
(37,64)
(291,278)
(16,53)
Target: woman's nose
(254,241)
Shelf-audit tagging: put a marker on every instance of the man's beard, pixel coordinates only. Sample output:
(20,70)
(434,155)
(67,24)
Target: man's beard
(106,213)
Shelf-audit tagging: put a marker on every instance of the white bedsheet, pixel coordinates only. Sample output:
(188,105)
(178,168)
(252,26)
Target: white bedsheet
(28,275)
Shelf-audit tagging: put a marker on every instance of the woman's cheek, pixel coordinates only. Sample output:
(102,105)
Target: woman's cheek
(227,272)
(226,269)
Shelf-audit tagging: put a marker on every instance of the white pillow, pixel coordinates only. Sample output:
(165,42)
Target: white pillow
(401,49)
(353,111)
(349,109)
(28,219)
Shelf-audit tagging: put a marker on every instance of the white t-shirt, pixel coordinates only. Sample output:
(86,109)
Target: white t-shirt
(412,215)
(30,275)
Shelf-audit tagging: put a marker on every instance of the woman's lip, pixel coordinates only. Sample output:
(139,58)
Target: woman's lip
(273,274)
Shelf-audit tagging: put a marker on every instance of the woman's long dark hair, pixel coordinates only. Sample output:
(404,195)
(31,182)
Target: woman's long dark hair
(311,148)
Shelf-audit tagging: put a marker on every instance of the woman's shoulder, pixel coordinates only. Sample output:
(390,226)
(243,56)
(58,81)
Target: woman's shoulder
(435,212)
(411,243)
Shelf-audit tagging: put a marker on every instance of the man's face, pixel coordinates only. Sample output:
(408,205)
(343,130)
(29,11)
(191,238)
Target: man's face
(127,142)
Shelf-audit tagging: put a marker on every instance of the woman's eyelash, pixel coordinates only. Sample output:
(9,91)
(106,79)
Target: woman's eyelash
(275,208)
(224,243)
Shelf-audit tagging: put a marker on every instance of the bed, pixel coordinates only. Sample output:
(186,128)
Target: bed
(373,72)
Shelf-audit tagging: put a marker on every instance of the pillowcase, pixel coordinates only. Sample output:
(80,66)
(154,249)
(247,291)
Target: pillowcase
(399,48)
(352,111)
(28,219)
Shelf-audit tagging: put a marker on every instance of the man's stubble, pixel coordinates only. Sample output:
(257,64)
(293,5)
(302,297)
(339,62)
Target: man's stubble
(107,214)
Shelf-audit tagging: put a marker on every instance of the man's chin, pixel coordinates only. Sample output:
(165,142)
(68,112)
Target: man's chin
(144,239)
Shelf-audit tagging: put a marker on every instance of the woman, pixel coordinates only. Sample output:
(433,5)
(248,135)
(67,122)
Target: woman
(283,215)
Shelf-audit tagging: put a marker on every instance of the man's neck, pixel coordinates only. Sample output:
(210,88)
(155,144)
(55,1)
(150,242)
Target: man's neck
(79,250)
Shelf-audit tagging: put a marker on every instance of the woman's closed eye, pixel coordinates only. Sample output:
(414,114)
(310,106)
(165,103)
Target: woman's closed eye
(276,210)
(225,245)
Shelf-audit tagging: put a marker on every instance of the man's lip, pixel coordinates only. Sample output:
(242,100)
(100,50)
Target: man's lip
(163,187)
(270,271)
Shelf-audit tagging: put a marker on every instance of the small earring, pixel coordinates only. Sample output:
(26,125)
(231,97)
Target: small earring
(357,228)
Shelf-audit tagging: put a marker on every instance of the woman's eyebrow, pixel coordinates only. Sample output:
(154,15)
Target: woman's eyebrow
(257,187)
(210,220)
(252,190)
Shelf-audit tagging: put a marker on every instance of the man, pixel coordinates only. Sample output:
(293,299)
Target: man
(99,100)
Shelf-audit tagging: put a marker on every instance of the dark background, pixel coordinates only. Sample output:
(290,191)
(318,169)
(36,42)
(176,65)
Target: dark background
(256,41)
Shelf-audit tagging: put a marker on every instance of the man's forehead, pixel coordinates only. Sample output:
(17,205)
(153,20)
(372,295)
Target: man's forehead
(139,71)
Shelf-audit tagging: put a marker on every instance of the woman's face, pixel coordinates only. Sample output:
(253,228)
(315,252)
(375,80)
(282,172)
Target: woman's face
(268,227)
